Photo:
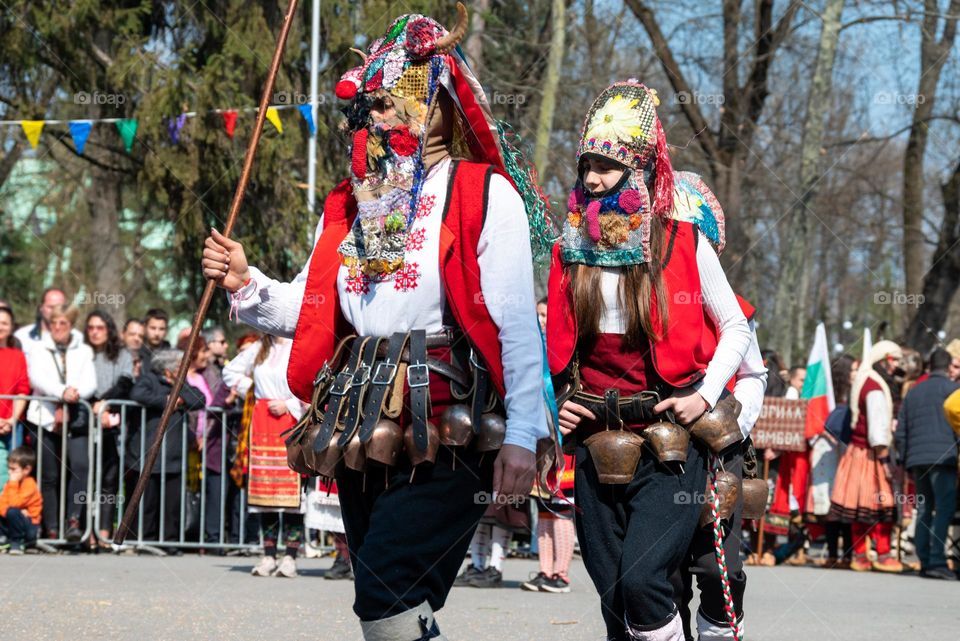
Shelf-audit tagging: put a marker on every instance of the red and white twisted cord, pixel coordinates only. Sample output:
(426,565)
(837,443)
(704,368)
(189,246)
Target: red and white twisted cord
(728,604)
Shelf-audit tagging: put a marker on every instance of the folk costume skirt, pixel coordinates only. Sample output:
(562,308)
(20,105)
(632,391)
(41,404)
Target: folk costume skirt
(272,484)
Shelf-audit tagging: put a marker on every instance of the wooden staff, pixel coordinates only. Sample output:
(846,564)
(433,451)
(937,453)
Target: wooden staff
(130,513)
(766,475)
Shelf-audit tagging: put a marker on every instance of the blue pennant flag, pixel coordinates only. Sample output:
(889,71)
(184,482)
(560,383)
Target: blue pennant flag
(80,131)
(307,112)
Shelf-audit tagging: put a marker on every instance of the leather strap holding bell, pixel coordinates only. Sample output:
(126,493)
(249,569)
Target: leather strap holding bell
(354,399)
(325,377)
(481,387)
(418,379)
(381,380)
(338,390)
(611,405)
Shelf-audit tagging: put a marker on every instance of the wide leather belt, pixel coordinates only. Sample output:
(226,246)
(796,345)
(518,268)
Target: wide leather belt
(634,409)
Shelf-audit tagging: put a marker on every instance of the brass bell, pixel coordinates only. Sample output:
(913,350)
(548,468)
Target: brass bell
(668,441)
(386,443)
(306,446)
(354,456)
(456,426)
(433,444)
(728,489)
(493,429)
(718,428)
(326,459)
(755,495)
(615,455)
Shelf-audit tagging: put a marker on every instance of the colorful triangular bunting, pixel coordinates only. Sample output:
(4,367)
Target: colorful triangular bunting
(80,131)
(32,129)
(307,112)
(274,117)
(128,129)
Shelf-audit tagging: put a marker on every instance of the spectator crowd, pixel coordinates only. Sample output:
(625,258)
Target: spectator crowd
(88,375)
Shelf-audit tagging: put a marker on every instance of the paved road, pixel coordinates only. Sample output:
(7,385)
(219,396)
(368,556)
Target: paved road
(194,598)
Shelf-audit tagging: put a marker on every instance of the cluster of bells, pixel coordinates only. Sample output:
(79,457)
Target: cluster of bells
(387,442)
(617,452)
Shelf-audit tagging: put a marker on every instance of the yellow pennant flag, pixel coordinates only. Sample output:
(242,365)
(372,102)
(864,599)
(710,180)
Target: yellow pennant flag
(274,118)
(32,129)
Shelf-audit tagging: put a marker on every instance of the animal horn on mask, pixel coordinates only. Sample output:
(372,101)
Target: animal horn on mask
(449,41)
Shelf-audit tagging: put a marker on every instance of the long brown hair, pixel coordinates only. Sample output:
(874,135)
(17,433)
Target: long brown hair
(266,344)
(641,288)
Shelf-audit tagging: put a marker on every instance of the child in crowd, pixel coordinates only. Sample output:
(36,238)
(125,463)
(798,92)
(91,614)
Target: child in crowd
(20,502)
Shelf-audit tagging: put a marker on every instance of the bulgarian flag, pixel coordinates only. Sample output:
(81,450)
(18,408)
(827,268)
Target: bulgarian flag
(818,386)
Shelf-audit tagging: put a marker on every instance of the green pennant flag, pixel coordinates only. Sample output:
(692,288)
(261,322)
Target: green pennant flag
(128,129)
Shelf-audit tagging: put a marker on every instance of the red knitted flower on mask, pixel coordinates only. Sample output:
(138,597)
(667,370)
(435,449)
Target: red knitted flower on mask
(402,142)
(421,37)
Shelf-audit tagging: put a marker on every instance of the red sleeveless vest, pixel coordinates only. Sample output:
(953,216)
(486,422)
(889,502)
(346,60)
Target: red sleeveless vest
(681,356)
(321,323)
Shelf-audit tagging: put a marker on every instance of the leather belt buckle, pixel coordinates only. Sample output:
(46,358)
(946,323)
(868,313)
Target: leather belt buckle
(341,383)
(363,371)
(473,360)
(322,375)
(422,373)
(379,379)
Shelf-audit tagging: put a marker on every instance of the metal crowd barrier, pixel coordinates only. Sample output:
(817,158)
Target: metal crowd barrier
(134,416)
(63,476)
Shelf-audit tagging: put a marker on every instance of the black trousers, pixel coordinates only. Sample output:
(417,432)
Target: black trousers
(170,508)
(110,482)
(78,467)
(633,537)
(408,539)
(701,562)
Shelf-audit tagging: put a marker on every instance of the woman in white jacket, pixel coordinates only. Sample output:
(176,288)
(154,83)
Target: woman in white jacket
(61,366)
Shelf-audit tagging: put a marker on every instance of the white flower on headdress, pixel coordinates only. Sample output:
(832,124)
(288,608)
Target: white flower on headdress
(616,120)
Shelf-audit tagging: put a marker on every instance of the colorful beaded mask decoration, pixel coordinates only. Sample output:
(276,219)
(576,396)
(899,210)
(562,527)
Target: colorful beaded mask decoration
(403,71)
(613,229)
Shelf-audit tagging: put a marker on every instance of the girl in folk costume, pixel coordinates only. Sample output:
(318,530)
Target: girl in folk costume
(862,491)
(646,329)
(414,324)
(273,487)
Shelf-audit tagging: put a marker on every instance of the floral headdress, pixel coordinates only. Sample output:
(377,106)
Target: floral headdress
(613,229)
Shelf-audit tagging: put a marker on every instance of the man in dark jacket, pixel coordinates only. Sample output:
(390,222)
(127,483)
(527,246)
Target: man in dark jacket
(152,390)
(928,449)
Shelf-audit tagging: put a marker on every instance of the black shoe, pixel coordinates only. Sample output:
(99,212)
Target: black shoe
(556,584)
(536,583)
(465,578)
(339,571)
(489,578)
(74,533)
(939,573)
